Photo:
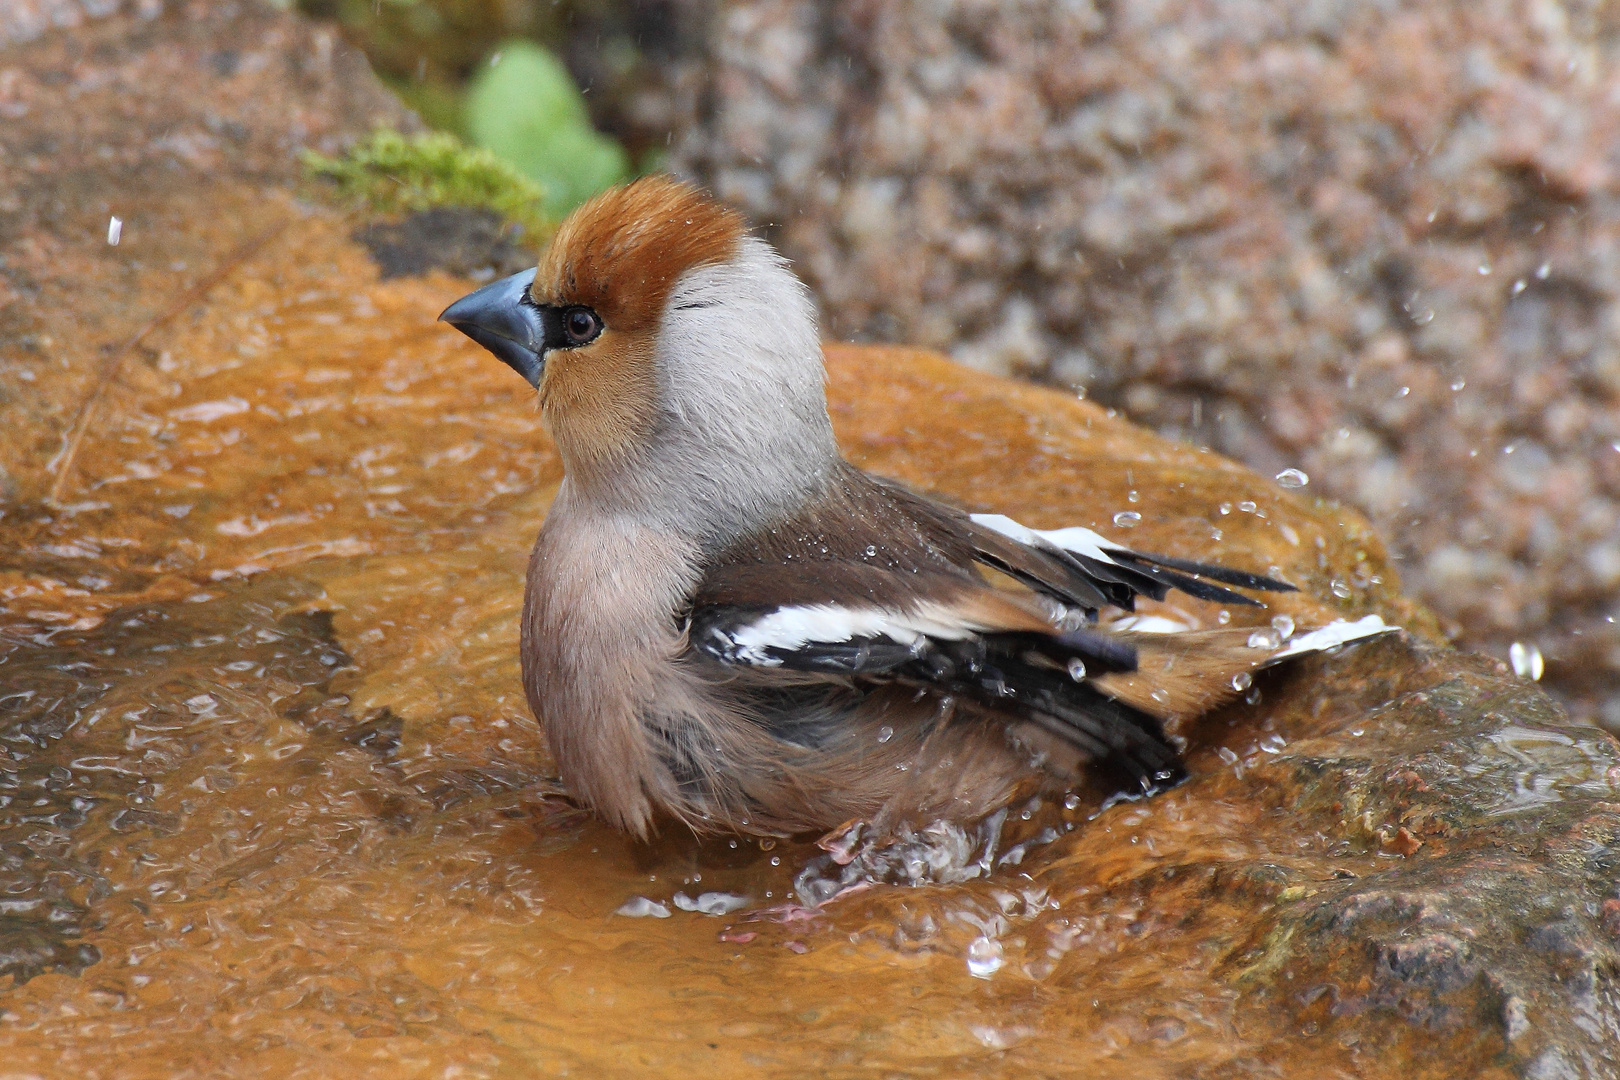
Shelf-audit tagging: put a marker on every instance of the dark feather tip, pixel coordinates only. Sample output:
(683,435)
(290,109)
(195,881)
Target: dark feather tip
(1225,575)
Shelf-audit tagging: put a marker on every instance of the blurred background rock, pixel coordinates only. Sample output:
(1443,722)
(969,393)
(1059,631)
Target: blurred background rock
(1376,242)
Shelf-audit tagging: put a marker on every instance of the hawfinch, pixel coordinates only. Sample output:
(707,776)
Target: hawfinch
(729,624)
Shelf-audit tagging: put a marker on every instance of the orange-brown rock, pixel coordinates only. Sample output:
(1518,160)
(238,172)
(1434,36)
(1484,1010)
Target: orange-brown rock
(270,802)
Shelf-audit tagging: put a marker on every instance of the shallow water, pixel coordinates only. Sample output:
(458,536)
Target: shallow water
(274,803)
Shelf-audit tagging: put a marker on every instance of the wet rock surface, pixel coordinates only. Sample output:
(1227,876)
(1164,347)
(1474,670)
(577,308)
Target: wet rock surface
(271,803)
(1370,241)
(184,123)
(475,244)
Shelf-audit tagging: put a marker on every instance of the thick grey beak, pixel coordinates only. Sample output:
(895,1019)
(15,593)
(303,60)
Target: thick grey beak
(503,319)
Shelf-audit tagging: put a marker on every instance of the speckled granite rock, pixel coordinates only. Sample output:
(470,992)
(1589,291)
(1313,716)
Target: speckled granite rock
(1376,242)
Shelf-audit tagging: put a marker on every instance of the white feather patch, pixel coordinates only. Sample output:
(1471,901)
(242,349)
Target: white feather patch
(1073,539)
(1150,624)
(1336,633)
(790,628)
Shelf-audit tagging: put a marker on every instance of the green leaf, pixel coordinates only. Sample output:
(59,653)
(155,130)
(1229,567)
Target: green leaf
(525,108)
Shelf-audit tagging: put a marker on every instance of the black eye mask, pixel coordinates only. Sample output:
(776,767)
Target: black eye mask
(503,318)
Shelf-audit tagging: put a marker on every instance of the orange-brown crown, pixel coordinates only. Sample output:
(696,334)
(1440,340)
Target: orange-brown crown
(622,251)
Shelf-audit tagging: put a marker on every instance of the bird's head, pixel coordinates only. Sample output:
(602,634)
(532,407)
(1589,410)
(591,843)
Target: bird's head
(661,334)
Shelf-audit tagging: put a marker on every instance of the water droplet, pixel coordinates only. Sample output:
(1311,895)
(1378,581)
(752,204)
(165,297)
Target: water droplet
(1077,669)
(1242,681)
(983,957)
(871,550)
(1425,319)
(1292,478)
(1127,519)
(710,903)
(1161,695)
(1223,617)
(1459,384)
(1253,696)
(766,843)
(1264,639)
(1071,802)
(1284,625)
(776,860)
(1248,507)
(1132,496)
(1527,661)
(1542,271)
(639,907)
(885,733)
(1484,269)
(1340,589)
(115,231)
(1226,508)
(1403,391)
(1519,286)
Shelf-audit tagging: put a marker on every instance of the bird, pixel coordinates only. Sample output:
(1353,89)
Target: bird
(729,626)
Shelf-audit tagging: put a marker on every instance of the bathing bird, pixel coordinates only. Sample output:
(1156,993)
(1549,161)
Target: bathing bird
(728,625)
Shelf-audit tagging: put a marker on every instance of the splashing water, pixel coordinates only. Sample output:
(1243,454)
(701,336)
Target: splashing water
(940,853)
(710,903)
(639,907)
(1527,661)
(984,957)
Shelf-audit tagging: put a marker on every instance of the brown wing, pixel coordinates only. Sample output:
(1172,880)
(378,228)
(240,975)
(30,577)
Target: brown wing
(879,587)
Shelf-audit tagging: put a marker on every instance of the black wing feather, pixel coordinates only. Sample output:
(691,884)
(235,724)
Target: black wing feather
(995,669)
(1067,582)
(1118,737)
(1227,576)
(929,549)
(1091,583)
(1203,590)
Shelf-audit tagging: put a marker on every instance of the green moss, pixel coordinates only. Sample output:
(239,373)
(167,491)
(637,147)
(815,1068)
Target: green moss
(393,173)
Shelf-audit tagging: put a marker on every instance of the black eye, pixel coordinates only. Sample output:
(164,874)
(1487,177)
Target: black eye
(581,325)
